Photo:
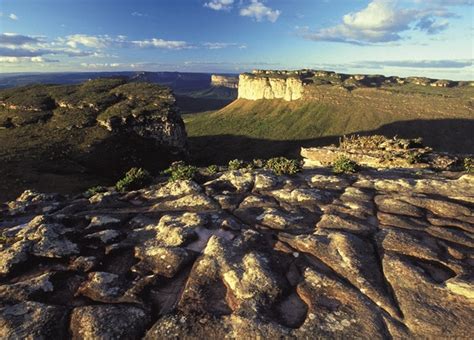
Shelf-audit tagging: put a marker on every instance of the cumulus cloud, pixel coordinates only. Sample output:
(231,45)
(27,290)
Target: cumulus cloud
(219,5)
(17,39)
(13,16)
(16,60)
(105,41)
(382,21)
(258,11)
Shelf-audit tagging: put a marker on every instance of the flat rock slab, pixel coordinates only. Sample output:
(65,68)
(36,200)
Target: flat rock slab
(374,254)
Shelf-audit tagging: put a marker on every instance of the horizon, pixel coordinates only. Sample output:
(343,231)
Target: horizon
(432,38)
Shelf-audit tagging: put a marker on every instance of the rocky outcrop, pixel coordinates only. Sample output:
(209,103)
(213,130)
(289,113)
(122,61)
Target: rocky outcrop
(224,81)
(381,152)
(255,87)
(79,133)
(244,254)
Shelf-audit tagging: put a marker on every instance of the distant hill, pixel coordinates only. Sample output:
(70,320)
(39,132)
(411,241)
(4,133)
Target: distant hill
(444,117)
(194,91)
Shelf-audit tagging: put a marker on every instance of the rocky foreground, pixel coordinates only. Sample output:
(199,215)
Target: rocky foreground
(379,254)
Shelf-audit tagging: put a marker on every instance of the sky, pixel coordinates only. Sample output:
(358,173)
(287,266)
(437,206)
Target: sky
(433,38)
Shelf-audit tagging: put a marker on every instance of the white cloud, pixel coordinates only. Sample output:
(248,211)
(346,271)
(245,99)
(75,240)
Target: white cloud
(139,14)
(17,60)
(219,5)
(382,21)
(92,41)
(13,16)
(221,45)
(257,10)
(161,43)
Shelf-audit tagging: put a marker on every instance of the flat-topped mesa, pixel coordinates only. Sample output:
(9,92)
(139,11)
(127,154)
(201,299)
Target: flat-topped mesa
(270,86)
(294,85)
(224,81)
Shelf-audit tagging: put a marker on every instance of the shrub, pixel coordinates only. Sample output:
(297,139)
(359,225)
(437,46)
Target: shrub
(94,190)
(212,169)
(180,171)
(135,178)
(283,165)
(343,165)
(469,164)
(413,158)
(236,164)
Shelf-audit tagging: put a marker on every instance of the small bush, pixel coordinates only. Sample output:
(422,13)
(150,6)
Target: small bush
(413,158)
(94,190)
(213,169)
(135,178)
(283,166)
(344,165)
(180,171)
(469,164)
(236,164)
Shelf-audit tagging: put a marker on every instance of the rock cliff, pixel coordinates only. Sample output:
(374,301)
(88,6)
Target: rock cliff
(254,87)
(294,85)
(244,254)
(224,81)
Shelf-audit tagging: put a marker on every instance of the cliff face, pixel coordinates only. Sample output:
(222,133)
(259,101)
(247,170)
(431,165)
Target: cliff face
(224,81)
(294,85)
(255,87)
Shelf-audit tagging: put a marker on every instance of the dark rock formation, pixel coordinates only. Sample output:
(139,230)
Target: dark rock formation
(73,135)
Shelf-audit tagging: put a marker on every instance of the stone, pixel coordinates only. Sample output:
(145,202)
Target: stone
(14,255)
(108,322)
(165,261)
(105,236)
(107,288)
(196,202)
(33,320)
(26,289)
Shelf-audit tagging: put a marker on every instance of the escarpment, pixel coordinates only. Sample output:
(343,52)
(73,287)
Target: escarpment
(224,81)
(306,84)
(256,87)
(70,136)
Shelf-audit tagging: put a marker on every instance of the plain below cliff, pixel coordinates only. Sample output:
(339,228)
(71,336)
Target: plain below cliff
(263,128)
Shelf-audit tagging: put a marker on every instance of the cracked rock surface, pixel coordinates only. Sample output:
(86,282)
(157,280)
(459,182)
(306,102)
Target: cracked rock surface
(376,254)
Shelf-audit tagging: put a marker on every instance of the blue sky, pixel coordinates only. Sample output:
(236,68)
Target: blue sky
(392,37)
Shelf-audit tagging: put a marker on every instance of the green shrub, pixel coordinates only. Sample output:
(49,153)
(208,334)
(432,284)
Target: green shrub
(236,164)
(343,165)
(413,158)
(180,171)
(94,190)
(469,164)
(283,165)
(135,178)
(213,169)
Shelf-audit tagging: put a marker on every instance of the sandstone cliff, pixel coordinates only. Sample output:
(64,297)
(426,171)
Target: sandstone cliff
(294,85)
(255,87)
(224,81)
